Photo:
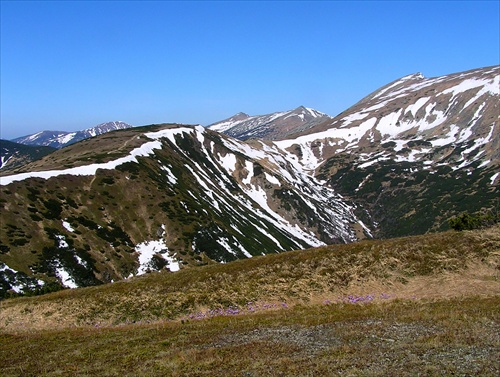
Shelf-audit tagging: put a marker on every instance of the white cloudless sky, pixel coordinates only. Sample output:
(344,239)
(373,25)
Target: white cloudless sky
(70,65)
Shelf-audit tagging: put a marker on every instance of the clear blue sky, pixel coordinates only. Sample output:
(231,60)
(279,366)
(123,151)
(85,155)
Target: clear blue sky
(70,65)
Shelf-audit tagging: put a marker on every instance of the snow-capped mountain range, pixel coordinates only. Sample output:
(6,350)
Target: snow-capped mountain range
(414,153)
(414,115)
(403,149)
(273,126)
(401,161)
(410,119)
(59,139)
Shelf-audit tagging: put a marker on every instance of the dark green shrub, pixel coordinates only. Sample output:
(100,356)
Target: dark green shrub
(54,209)
(465,221)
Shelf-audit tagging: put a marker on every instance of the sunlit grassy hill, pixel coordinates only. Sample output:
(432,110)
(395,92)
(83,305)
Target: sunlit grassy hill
(425,305)
(434,265)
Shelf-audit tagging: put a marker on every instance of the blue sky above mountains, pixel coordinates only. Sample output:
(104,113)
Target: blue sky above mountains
(72,65)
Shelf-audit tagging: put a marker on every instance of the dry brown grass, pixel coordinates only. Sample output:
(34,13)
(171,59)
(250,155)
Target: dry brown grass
(434,266)
(442,317)
(398,338)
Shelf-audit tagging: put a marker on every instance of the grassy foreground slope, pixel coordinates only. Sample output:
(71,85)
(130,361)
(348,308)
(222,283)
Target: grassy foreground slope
(427,305)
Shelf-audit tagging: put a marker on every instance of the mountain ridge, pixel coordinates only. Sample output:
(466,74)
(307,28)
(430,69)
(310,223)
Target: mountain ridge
(60,139)
(272,126)
(414,138)
(401,161)
(413,149)
(196,196)
(14,155)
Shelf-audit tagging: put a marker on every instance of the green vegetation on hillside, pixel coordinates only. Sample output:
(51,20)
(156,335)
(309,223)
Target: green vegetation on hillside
(204,212)
(466,221)
(409,198)
(16,155)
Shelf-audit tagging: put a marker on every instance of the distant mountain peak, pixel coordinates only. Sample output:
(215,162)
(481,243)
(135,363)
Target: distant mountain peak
(240,115)
(311,112)
(274,126)
(59,139)
(441,111)
(301,108)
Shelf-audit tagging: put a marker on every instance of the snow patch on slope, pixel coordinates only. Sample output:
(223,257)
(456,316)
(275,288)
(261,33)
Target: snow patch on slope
(148,249)
(67,226)
(18,283)
(65,278)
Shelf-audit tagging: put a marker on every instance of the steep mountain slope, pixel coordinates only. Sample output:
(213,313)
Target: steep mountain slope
(402,160)
(13,155)
(161,196)
(59,139)
(273,126)
(413,153)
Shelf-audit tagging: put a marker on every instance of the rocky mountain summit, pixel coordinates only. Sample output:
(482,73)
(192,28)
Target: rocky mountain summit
(411,154)
(411,119)
(414,152)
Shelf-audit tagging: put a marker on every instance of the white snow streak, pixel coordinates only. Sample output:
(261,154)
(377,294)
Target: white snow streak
(171,177)
(272,179)
(67,226)
(228,162)
(144,150)
(494,177)
(65,278)
(3,160)
(416,106)
(66,138)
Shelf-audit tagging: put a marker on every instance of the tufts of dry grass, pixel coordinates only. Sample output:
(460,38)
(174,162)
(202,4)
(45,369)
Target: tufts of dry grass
(427,305)
(441,265)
